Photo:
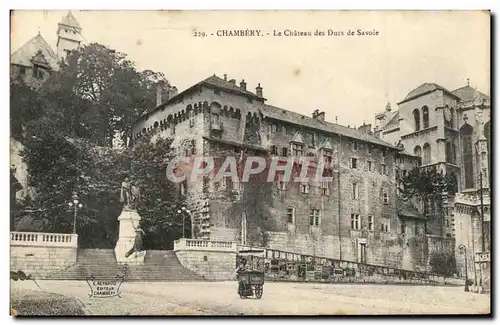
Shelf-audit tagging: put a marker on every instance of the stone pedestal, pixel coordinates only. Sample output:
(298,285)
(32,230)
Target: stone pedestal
(129,220)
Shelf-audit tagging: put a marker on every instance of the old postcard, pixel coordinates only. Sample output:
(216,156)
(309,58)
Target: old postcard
(250,163)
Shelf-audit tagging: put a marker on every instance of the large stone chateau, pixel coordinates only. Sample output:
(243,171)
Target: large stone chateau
(357,217)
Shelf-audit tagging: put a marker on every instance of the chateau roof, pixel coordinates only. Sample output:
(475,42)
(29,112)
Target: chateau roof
(467,93)
(277,113)
(226,85)
(212,81)
(25,53)
(424,89)
(70,20)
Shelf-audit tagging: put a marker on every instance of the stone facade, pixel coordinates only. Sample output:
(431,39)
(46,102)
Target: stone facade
(352,217)
(451,132)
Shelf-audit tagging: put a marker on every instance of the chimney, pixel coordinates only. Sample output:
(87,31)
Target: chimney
(388,107)
(317,115)
(159,92)
(233,81)
(225,77)
(172,92)
(365,128)
(258,90)
(243,85)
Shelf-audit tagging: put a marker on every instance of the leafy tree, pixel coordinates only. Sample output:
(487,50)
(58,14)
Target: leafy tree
(99,91)
(426,186)
(59,166)
(443,263)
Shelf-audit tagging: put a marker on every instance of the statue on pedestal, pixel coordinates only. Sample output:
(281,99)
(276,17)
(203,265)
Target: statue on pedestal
(130,194)
(129,247)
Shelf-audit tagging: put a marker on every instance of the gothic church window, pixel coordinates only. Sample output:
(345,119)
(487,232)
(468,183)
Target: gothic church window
(427,154)
(416,118)
(466,135)
(425,116)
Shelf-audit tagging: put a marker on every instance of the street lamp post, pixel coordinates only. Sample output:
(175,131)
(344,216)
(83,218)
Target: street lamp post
(183,209)
(76,205)
(463,250)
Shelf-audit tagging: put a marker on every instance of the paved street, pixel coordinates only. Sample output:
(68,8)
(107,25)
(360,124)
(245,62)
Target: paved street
(167,298)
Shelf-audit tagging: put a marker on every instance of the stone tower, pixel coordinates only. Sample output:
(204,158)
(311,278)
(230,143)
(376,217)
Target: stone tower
(68,36)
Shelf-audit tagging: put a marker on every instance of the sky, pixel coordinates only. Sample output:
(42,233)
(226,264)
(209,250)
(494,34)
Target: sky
(351,78)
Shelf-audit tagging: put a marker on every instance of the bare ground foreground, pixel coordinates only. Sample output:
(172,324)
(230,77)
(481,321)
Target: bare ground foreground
(279,298)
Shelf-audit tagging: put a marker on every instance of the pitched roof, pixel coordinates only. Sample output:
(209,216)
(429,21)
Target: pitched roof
(408,210)
(299,119)
(226,85)
(70,20)
(212,81)
(424,89)
(467,93)
(25,53)
(391,119)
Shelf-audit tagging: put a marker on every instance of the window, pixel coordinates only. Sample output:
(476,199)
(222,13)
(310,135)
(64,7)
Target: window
(427,154)
(405,172)
(274,128)
(355,192)
(403,228)
(297,149)
(22,70)
(354,145)
(417,151)
(191,118)
(354,163)
(384,169)
(215,118)
(385,198)
(314,217)
(416,118)
(37,72)
(355,224)
(369,148)
(217,91)
(290,215)
(304,188)
(274,150)
(384,153)
(370,167)
(282,186)
(284,150)
(325,190)
(425,116)
(327,158)
(385,225)
(466,132)
(370,223)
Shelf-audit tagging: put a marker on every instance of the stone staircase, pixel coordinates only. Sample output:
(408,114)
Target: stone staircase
(101,263)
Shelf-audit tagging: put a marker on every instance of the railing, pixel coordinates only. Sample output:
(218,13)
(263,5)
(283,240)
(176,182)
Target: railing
(288,265)
(204,245)
(43,239)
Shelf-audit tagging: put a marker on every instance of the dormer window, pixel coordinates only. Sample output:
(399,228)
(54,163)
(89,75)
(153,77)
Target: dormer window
(38,72)
(297,149)
(354,145)
(327,157)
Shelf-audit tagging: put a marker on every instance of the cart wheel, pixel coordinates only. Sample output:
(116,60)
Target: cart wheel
(259,289)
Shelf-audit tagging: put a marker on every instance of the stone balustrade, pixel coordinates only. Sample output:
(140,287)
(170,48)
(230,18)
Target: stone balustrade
(472,199)
(205,245)
(43,239)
